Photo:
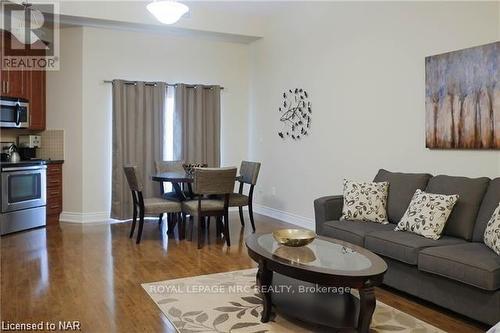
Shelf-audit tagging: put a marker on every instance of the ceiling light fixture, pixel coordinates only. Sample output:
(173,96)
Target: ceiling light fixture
(167,11)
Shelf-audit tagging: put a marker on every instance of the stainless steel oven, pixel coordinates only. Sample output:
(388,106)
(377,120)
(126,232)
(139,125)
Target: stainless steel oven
(14,112)
(23,197)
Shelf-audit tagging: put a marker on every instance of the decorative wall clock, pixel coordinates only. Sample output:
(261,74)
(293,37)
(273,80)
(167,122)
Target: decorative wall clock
(295,114)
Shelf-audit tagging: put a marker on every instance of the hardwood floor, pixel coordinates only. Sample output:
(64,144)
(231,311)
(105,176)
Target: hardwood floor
(93,274)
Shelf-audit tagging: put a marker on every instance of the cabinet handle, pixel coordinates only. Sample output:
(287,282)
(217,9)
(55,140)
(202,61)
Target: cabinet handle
(4,89)
(7,86)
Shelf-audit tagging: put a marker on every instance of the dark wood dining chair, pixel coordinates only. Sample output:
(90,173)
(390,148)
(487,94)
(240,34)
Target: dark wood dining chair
(149,206)
(216,183)
(249,172)
(168,166)
(171,166)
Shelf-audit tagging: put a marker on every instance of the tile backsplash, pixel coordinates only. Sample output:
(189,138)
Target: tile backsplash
(11,134)
(52,145)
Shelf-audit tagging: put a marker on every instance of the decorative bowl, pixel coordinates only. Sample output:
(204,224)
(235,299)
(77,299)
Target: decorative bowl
(189,167)
(294,237)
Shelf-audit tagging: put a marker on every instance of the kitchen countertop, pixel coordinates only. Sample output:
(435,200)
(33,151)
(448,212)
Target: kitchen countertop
(31,162)
(54,161)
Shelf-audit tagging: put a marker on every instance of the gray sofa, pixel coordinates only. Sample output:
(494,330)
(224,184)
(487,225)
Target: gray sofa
(457,271)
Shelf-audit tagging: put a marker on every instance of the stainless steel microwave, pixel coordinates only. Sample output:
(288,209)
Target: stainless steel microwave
(14,112)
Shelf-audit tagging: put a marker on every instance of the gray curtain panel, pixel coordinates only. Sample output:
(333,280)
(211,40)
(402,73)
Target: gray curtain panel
(137,139)
(197,124)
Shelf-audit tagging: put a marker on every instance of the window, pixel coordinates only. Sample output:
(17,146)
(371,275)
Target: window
(168,120)
(168,130)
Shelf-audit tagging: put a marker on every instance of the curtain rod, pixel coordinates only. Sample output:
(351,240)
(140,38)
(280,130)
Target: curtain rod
(168,84)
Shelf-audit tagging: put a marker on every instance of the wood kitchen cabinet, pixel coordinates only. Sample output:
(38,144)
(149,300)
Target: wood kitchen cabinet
(54,192)
(16,84)
(27,84)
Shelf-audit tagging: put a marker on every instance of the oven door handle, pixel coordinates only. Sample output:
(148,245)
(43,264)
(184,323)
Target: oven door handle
(26,168)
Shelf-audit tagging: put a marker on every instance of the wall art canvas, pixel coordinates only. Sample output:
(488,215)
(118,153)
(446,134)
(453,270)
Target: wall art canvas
(463,98)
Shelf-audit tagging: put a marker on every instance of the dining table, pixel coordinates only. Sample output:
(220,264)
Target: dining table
(176,178)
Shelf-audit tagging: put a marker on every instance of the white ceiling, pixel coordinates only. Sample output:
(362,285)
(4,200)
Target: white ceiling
(240,21)
(248,8)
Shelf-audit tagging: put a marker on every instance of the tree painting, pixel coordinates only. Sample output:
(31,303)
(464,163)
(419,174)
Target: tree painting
(462,98)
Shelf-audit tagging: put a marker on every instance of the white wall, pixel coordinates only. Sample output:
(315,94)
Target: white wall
(110,54)
(363,65)
(64,111)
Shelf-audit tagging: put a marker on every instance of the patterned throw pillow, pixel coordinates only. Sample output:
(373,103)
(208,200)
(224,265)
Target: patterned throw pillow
(365,201)
(427,214)
(492,232)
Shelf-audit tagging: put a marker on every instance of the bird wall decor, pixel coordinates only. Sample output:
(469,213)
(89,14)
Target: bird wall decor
(295,114)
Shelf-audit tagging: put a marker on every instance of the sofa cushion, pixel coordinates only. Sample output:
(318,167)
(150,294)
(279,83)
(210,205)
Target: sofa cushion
(402,186)
(403,246)
(427,214)
(352,231)
(492,232)
(488,205)
(471,192)
(365,201)
(470,263)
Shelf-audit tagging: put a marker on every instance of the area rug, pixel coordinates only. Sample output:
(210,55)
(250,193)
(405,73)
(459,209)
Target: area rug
(229,302)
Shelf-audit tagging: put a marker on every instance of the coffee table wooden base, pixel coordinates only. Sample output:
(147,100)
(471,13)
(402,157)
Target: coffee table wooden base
(264,281)
(342,311)
(313,283)
(367,307)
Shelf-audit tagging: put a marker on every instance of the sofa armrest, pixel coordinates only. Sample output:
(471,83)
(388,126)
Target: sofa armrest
(327,209)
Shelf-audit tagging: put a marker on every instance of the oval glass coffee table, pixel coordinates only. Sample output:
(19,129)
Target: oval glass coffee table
(313,282)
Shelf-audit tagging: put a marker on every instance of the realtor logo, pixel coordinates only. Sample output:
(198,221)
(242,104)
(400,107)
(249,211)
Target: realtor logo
(31,36)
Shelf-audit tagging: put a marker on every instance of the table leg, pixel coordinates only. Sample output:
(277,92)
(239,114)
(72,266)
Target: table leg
(172,222)
(367,307)
(264,280)
(178,191)
(190,190)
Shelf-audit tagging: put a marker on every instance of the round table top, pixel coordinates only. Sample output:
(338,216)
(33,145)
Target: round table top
(325,256)
(173,176)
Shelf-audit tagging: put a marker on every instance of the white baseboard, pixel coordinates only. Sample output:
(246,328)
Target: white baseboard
(74,217)
(103,217)
(301,221)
